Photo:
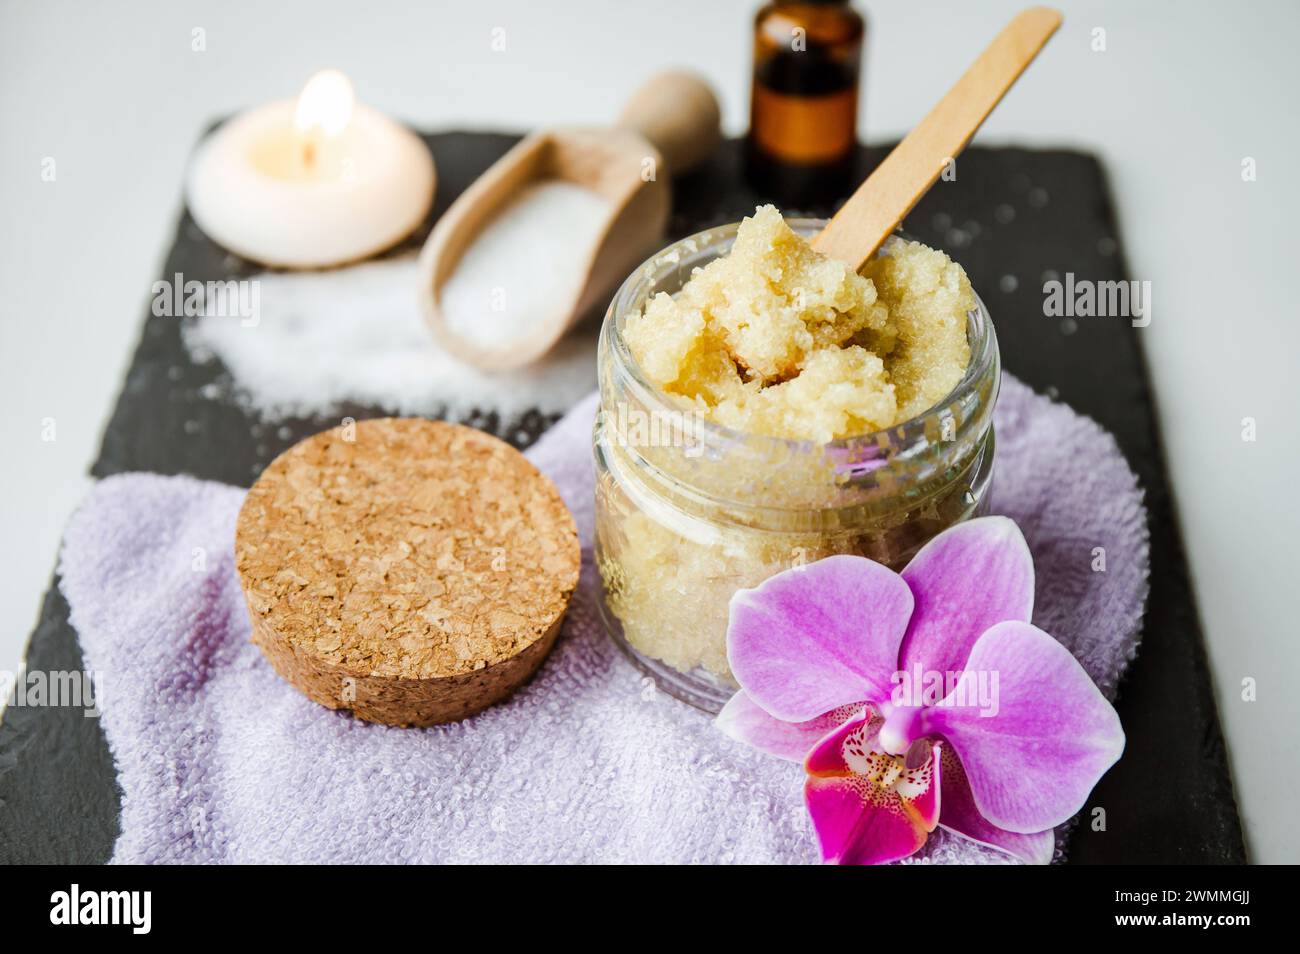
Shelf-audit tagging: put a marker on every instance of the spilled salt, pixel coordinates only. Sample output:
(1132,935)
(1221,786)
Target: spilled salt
(357,335)
(527,266)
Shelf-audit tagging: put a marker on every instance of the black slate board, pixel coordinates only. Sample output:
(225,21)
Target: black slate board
(1169,800)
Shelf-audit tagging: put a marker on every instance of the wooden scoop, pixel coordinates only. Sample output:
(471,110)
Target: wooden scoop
(872,213)
(669,126)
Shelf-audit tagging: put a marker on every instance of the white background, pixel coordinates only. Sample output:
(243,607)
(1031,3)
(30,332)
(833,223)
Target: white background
(1184,91)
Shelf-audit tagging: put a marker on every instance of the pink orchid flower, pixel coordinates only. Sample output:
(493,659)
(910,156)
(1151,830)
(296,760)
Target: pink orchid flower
(823,653)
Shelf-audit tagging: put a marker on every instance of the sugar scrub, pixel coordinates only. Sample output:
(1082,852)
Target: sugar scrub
(529,261)
(357,334)
(778,340)
(824,412)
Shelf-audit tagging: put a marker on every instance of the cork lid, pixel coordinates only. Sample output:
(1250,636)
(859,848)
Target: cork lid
(406,549)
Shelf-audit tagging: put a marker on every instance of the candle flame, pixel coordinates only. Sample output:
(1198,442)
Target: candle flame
(325,102)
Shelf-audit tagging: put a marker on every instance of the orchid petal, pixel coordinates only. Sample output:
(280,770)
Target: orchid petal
(966,579)
(1050,735)
(858,823)
(816,637)
(746,722)
(959,815)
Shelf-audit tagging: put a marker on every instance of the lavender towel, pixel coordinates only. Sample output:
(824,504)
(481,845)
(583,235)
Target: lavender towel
(221,761)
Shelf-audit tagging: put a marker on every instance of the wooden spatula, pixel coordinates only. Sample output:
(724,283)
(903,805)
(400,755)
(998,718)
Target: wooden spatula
(872,213)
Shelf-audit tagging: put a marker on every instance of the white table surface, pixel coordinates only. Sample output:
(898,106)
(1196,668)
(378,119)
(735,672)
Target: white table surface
(116,96)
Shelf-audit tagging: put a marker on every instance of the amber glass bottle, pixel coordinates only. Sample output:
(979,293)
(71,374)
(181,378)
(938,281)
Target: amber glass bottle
(804,105)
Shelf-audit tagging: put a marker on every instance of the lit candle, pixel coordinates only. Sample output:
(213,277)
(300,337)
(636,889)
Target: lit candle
(316,182)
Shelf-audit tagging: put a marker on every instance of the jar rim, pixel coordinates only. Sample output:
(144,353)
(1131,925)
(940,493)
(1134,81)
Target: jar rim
(984,358)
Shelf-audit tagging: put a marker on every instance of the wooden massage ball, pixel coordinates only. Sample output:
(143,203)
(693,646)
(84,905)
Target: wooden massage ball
(411,571)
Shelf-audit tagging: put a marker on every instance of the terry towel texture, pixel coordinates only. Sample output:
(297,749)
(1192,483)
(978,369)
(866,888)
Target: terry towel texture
(221,761)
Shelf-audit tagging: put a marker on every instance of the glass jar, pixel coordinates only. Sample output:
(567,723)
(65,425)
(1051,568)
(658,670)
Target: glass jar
(688,511)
